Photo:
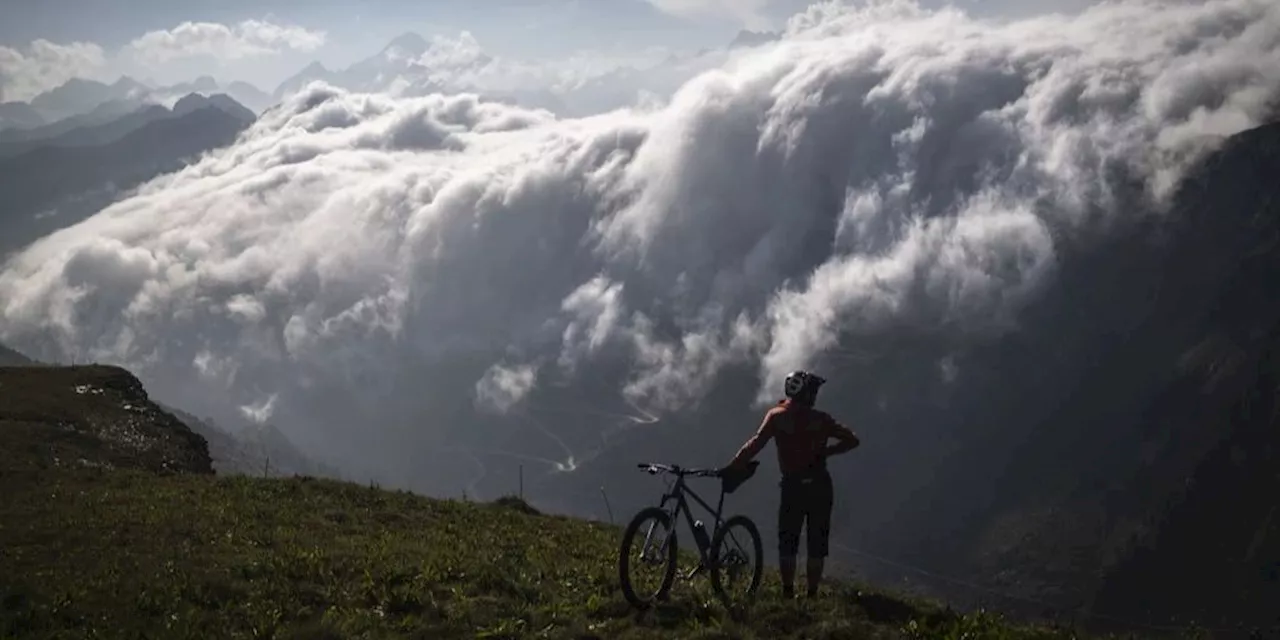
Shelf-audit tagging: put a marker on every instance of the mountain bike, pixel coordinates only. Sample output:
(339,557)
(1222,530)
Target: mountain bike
(660,549)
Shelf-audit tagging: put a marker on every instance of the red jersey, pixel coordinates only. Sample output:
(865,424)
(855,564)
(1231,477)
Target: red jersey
(800,433)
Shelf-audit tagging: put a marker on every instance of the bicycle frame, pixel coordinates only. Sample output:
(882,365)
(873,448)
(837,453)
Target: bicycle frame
(677,493)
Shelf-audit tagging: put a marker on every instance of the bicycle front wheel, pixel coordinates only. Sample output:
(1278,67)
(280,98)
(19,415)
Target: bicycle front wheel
(738,564)
(648,551)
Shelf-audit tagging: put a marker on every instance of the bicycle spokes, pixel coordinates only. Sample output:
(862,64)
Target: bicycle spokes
(739,561)
(734,561)
(654,549)
(648,573)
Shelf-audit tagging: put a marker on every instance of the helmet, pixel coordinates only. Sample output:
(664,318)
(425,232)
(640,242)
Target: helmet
(798,382)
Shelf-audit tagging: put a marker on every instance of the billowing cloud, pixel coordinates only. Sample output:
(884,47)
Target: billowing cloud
(876,168)
(578,84)
(594,311)
(45,65)
(247,39)
(503,387)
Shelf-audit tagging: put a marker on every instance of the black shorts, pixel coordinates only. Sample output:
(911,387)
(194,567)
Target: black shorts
(806,503)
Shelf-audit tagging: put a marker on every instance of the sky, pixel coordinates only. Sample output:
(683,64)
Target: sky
(43,43)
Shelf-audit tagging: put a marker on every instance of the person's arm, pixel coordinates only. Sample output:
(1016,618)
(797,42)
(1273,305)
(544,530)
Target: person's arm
(755,443)
(847,439)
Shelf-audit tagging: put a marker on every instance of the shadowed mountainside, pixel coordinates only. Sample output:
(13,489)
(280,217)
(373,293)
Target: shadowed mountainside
(94,133)
(1221,528)
(1099,416)
(109,110)
(253,450)
(50,188)
(11,358)
(19,115)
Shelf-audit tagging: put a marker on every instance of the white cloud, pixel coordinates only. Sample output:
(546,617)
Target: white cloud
(250,38)
(594,309)
(45,65)
(577,84)
(501,388)
(260,412)
(877,167)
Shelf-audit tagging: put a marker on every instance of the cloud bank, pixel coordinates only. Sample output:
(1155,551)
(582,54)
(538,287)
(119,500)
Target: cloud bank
(247,39)
(45,65)
(877,168)
(584,83)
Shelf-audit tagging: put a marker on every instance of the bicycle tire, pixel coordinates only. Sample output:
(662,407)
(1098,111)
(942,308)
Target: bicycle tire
(757,572)
(624,557)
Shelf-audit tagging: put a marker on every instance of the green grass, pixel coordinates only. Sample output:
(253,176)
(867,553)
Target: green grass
(125,553)
(111,537)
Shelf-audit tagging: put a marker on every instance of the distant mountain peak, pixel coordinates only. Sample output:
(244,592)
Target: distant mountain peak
(313,71)
(76,83)
(127,87)
(408,43)
(205,83)
(190,102)
(748,38)
(195,101)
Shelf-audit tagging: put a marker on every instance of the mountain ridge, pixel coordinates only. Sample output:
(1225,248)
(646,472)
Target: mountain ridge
(51,187)
(77,99)
(78,96)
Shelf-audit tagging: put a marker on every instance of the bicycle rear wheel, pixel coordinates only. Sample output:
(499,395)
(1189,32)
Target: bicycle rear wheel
(738,563)
(649,542)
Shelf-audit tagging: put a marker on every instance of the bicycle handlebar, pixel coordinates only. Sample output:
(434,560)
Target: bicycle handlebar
(653,468)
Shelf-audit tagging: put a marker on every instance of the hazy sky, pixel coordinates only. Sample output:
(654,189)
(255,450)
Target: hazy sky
(127,37)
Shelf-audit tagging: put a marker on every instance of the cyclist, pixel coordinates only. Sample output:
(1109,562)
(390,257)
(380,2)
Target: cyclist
(801,433)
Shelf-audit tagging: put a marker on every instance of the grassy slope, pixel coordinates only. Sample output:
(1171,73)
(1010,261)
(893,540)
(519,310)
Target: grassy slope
(131,552)
(92,550)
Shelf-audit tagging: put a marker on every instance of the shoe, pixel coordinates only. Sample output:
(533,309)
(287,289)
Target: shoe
(788,594)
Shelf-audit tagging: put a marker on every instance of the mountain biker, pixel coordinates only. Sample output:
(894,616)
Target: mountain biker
(801,433)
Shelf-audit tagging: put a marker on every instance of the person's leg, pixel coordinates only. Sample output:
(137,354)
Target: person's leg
(819,532)
(787,567)
(789,514)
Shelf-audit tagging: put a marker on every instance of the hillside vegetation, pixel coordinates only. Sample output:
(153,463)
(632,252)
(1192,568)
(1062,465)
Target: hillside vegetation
(114,525)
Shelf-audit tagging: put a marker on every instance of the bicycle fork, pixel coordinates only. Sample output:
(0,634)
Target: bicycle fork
(648,535)
(700,537)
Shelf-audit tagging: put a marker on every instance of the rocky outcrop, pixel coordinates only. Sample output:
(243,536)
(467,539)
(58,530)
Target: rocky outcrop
(92,416)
